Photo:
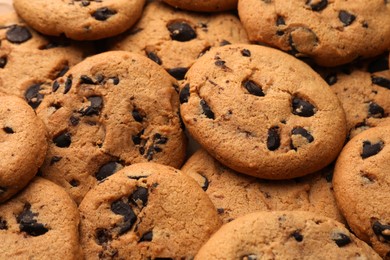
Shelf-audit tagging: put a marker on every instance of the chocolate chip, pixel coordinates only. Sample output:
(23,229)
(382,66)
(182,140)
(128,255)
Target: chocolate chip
(55,159)
(206,109)
(280,21)
(319,6)
(68,84)
(18,34)
(74,120)
(106,170)
(220,210)
(178,73)
(383,82)
(379,64)
(62,72)
(184,94)
(74,183)
(370,149)
(302,108)
(303,132)
(115,80)
(121,208)
(3,62)
(220,63)
(85,3)
(3,224)
(55,86)
(153,56)
(375,110)
(32,95)
(28,224)
(206,183)
(139,197)
(331,79)
(329,176)
(100,79)
(94,108)
(103,236)
(341,239)
(159,139)
(137,115)
(301,35)
(224,42)
(181,31)
(346,18)
(249,257)
(8,130)
(206,49)
(246,53)
(298,236)
(147,237)
(62,140)
(273,140)
(137,138)
(84,79)
(253,88)
(103,13)
(381,230)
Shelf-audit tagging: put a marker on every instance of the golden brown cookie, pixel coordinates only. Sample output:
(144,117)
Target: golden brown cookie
(203,5)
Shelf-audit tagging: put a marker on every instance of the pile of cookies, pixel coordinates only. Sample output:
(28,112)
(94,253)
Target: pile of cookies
(249,129)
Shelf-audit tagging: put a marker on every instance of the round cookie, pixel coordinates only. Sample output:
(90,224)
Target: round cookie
(28,59)
(80,20)
(361,184)
(284,235)
(40,222)
(113,109)
(23,145)
(262,112)
(235,194)
(174,39)
(203,5)
(146,211)
(330,32)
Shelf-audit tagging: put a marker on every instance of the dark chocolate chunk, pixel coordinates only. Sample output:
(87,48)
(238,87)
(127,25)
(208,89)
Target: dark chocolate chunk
(375,110)
(74,120)
(159,139)
(137,138)
(249,257)
(63,140)
(302,108)
(32,95)
(341,239)
(74,183)
(103,13)
(18,34)
(55,86)
(370,149)
(68,84)
(184,94)
(346,18)
(280,20)
(273,140)
(140,195)
(106,170)
(383,82)
(8,130)
(321,5)
(85,3)
(381,230)
(137,115)
(84,79)
(62,71)
(100,79)
(379,64)
(115,80)
(206,109)
(253,88)
(178,73)
(220,63)
(3,62)
(220,210)
(331,79)
(298,236)
(103,236)
(303,132)
(55,159)
(224,42)
(246,53)
(28,224)
(3,224)
(121,208)
(153,56)
(147,237)
(181,31)
(94,108)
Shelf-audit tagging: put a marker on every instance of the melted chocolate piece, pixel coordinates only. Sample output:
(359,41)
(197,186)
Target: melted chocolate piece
(206,109)
(346,18)
(32,95)
(18,34)
(106,170)
(139,197)
(103,13)
(253,88)
(184,94)
(28,223)
(63,140)
(273,140)
(302,108)
(181,31)
(370,149)
(341,239)
(178,73)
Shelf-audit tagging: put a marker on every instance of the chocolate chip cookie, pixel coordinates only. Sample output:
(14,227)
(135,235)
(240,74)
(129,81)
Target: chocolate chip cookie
(40,222)
(174,39)
(262,112)
(330,32)
(361,184)
(203,5)
(284,235)
(146,211)
(110,110)
(235,194)
(23,145)
(80,19)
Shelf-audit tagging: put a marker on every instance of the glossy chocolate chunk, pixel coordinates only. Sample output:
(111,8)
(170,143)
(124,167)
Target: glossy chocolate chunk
(184,94)
(317,6)
(106,170)
(147,237)
(297,236)
(3,62)
(375,110)
(119,207)
(140,197)
(103,13)
(32,95)
(153,56)
(206,109)
(371,149)
(380,81)
(18,34)
(303,132)
(181,31)
(346,18)
(381,230)
(341,239)
(8,130)
(178,73)
(246,53)
(302,108)
(94,108)
(137,115)
(28,223)
(253,88)
(273,140)
(68,84)
(84,79)
(331,79)
(63,140)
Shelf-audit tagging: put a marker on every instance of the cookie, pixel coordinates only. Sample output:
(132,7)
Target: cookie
(112,109)
(203,5)
(284,235)
(330,32)
(146,211)
(262,112)
(40,222)
(80,20)
(28,59)
(235,194)
(361,183)
(364,92)
(6,7)
(174,39)
(23,145)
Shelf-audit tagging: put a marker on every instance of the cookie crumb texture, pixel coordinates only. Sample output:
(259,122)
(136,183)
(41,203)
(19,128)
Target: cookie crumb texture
(40,222)
(361,183)
(330,32)
(262,112)
(80,20)
(284,235)
(111,110)
(203,5)
(146,211)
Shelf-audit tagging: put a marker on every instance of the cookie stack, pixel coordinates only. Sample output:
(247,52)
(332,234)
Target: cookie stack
(195,129)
